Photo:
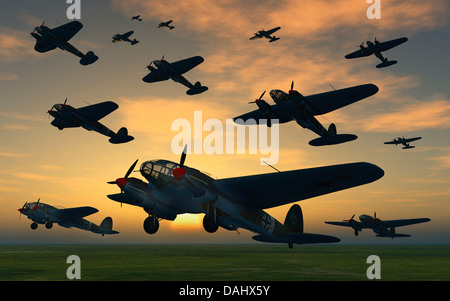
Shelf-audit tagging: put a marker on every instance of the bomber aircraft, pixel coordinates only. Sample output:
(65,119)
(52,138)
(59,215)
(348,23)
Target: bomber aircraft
(124,37)
(48,39)
(381,228)
(87,117)
(165,70)
(376,48)
(294,106)
(166,24)
(266,34)
(41,213)
(404,141)
(138,17)
(238,202)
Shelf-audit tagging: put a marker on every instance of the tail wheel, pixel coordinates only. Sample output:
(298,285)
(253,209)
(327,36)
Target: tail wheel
(151,224)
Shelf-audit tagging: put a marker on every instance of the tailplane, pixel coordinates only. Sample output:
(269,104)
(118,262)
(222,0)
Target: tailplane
(121,137)
(197,88)
(331,137)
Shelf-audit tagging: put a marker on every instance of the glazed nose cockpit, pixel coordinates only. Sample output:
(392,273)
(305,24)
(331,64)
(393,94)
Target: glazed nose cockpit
(278,95)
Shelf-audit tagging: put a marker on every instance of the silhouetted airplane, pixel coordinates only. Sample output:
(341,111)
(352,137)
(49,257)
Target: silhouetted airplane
(381,228)
(124,37)
(403,141)
(266,34)
(136,18)
(294,106)
(239,202)
(87,117)
(48,39)
(376,48)
(165,70)
(41,213)
(166,24)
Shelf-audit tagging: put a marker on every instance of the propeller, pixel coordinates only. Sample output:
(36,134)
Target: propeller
(37,203)
(178,173)
(148,66)
(292,91)
(21,209)
(122,182)
(259,99)
(350,220)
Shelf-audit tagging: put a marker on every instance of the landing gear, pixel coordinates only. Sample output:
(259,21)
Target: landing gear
(290,245)
(210,223)
(356,232)
(34,226)
(49,224)
(151,224)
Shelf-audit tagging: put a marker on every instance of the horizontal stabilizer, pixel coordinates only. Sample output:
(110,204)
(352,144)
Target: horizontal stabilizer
(303,238)
(134,42)
(386,64)
(121,137)
(331,140)
(88,59)
(273,40)
(196,89)
(409,146)
(106,227)
(393,235)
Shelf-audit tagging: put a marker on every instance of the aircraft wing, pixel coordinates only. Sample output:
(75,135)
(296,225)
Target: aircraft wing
(67,31)
(153,77)
(329,101)
(185,65)
(405,222)
(255,37)
(258,114)
(127,35)
(383,46)
(271,31)
(74,213)
(97,111)
(407,140)
(359,53)
(276,189)
(41,47)
(345,224)
(392,142)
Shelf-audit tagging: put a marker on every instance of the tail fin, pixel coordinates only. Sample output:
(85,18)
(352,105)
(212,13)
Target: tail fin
(106,227)
(106,224)
(294,219)
(332,130)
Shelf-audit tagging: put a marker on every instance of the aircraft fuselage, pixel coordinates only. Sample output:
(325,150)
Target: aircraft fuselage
(165,68)
(48,37)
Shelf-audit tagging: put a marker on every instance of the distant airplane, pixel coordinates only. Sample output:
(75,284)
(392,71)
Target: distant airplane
(266,34)
(403,141)
(87,117)
(294,106)
(381,228)
(166,24)
(124,37)
(376,48)
(165,70)
(48,39)
(239,202)
(138,17)
(41,213)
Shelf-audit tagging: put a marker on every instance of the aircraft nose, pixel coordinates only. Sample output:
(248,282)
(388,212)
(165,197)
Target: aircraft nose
(20,210)
(121,182)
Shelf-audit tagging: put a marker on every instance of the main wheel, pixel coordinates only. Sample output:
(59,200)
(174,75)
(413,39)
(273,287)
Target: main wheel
(209,223)
(151,225)
(49,225)
(34,226)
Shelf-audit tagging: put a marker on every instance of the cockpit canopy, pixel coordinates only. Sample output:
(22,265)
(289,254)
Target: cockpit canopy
(278,95)
(158,172)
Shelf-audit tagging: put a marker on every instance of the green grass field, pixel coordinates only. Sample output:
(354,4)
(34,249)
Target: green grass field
(224,262)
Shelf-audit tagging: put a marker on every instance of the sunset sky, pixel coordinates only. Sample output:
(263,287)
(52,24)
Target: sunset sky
(70,168)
